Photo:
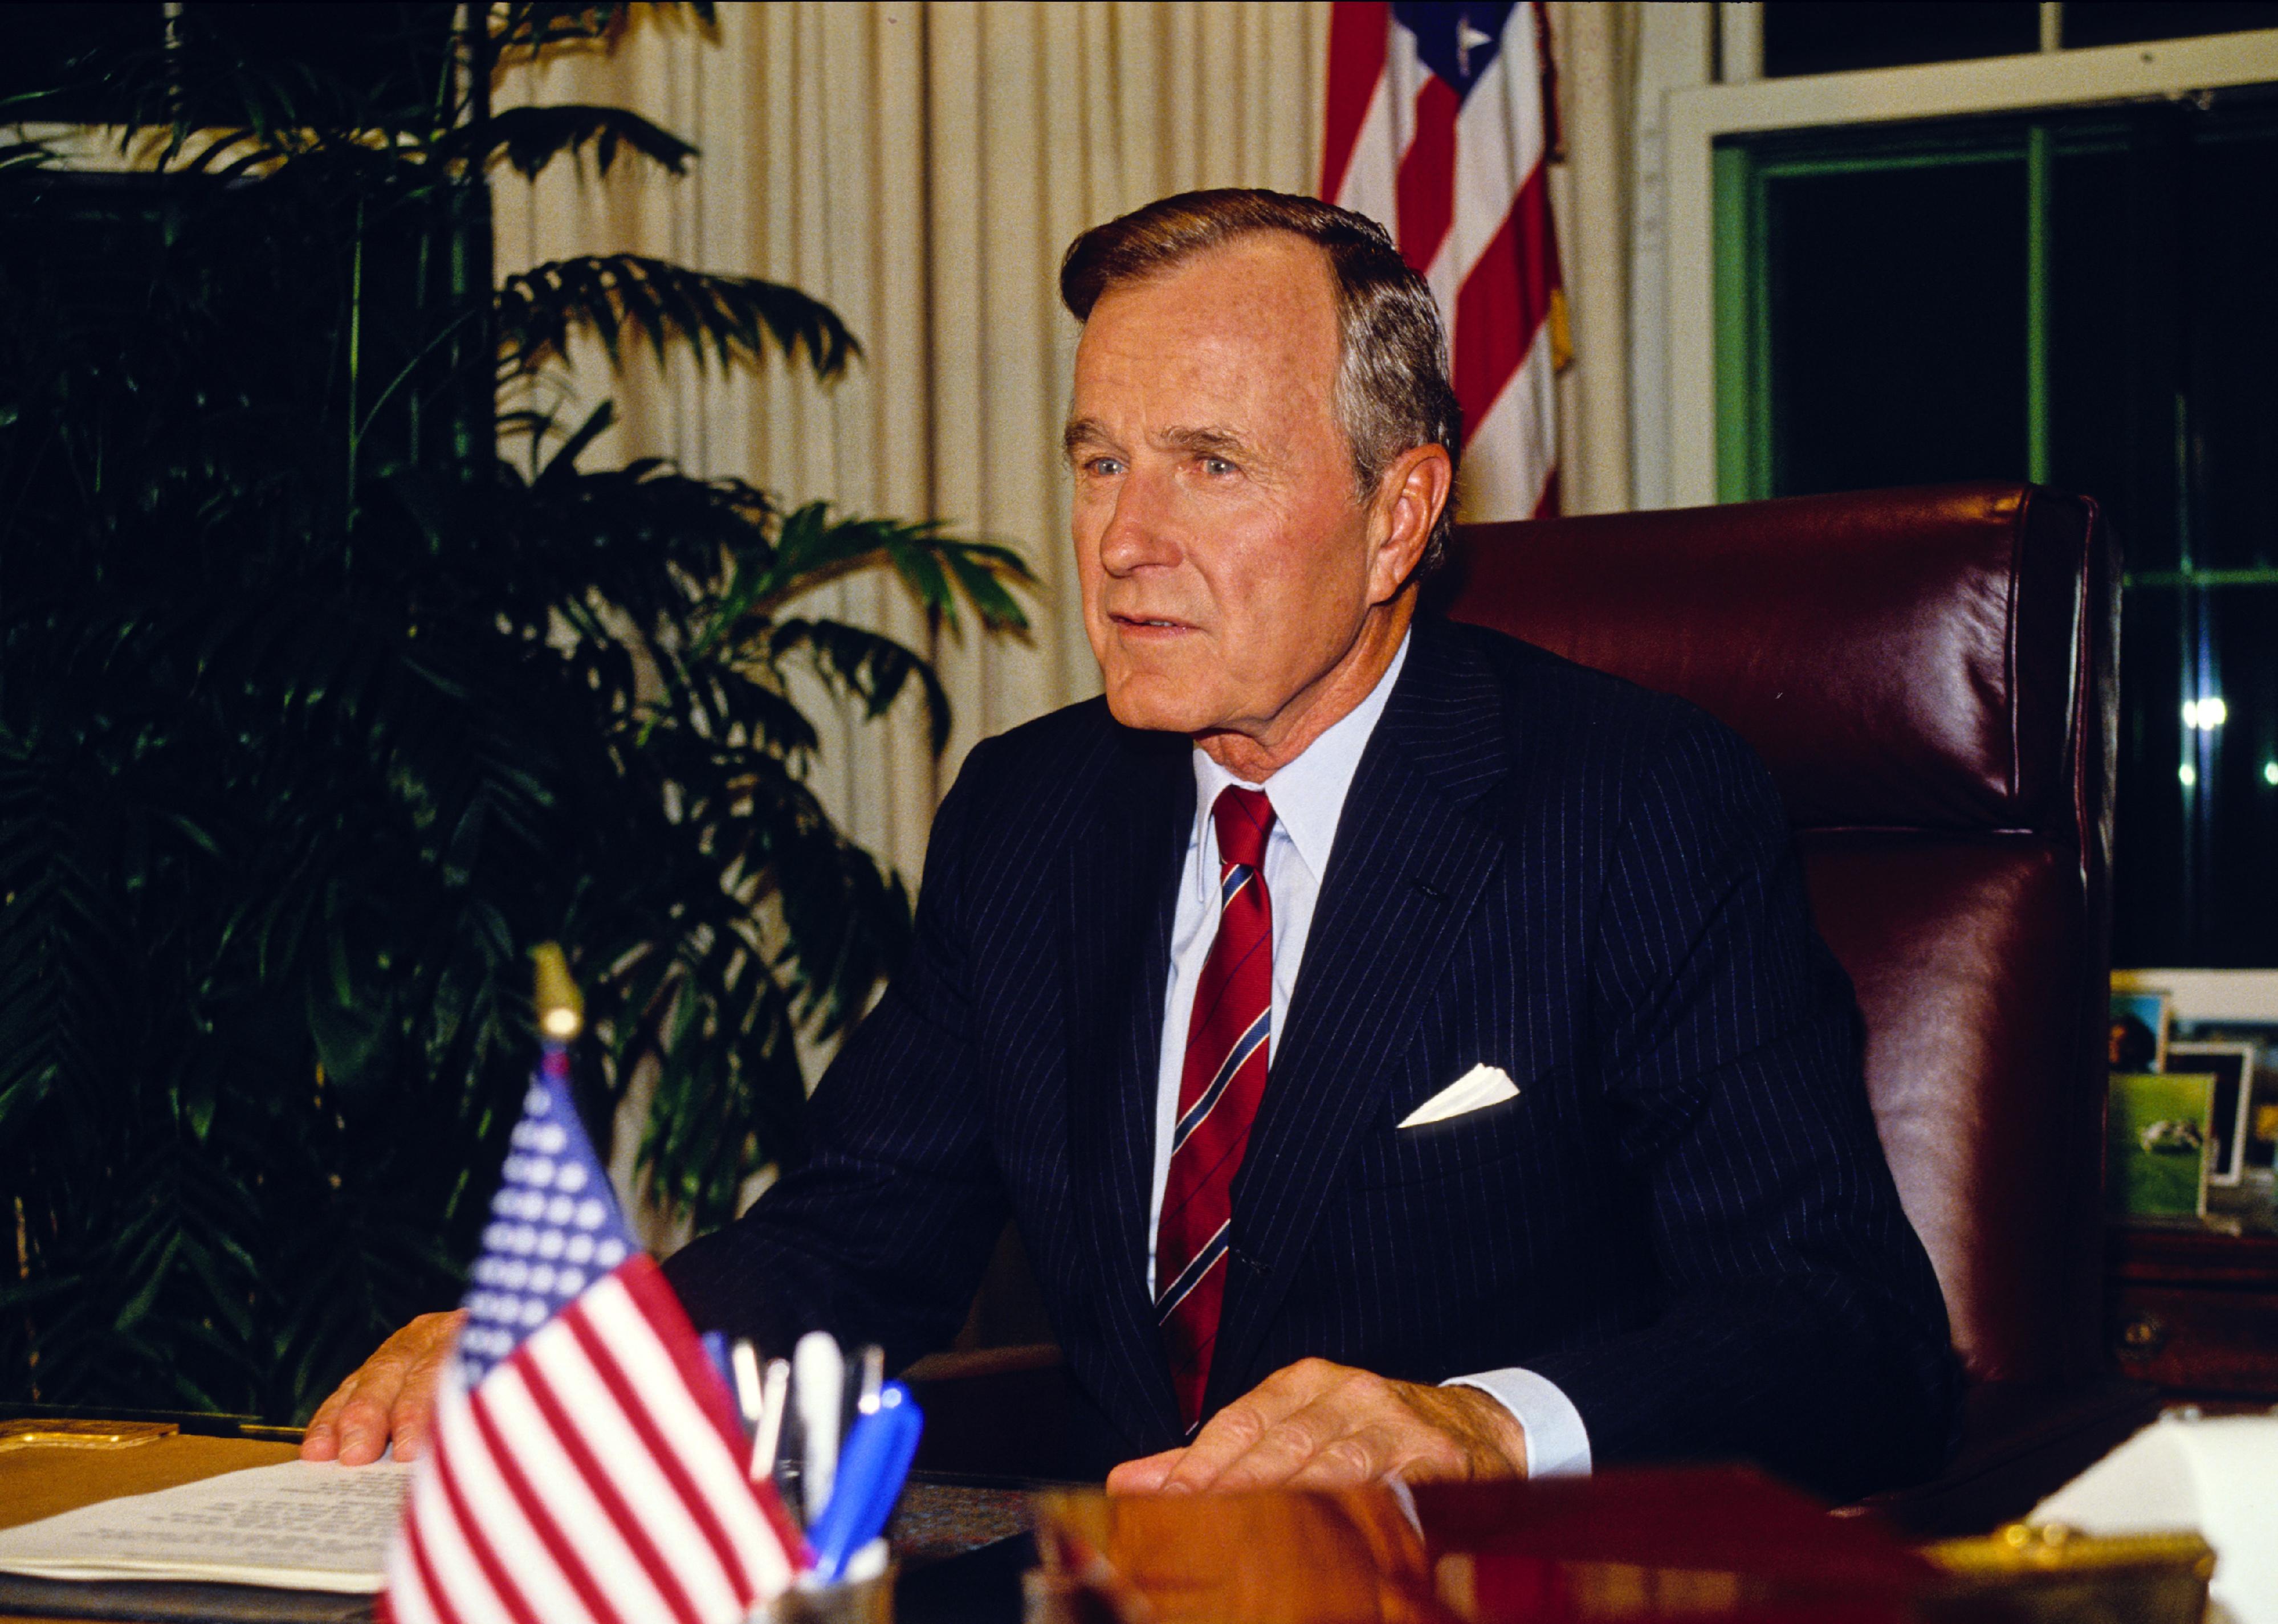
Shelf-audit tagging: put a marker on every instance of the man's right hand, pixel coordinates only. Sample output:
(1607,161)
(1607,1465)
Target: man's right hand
(391,1396)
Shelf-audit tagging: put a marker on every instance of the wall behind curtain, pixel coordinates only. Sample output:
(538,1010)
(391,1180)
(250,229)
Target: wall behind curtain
(921,167)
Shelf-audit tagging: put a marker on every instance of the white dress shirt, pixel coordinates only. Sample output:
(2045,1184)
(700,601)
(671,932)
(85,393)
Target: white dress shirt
(1308,796)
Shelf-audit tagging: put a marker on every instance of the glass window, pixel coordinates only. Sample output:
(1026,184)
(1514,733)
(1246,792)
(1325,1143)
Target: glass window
(2084,301)
(1892,284)
(2097,22)
(1815,36)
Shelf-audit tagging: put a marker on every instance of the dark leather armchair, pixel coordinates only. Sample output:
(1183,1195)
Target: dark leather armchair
(1930,676)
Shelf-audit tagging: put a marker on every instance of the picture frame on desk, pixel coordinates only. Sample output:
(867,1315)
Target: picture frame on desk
(2261,1146)
(2231,1110)
(2157,1128)
(2139,1030)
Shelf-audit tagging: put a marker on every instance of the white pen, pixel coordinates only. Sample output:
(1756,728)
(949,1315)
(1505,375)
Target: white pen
(743,1359)
(872,1360)
(767,1432)
(818,1385)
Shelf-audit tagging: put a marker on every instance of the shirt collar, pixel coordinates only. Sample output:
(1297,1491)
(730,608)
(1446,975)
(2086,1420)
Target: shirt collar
(1307,795)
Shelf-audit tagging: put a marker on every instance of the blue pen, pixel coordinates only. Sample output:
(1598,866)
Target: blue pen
(870,1473)
(716,1350)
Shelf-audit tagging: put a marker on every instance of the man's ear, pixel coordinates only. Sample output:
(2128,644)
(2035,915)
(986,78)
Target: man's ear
(1414,489)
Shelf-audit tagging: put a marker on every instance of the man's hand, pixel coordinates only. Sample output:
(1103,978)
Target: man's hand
(391,1395)
(1316,1425)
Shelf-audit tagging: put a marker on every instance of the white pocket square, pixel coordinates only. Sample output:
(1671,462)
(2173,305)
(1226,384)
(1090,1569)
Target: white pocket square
(1475,1090)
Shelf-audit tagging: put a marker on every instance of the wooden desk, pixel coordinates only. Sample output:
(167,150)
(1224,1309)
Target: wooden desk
(2195,1312)
(940,1517)
(42,1481)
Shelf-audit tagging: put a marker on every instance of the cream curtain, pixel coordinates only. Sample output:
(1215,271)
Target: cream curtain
(921,167)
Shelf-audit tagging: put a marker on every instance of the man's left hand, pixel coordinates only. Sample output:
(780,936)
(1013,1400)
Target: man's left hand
(1317,1425)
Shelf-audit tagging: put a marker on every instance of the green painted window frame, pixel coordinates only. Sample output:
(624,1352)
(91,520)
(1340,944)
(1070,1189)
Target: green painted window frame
(1744,167)
(1744,170)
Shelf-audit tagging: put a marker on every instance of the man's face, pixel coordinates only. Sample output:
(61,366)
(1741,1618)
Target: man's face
(1226,566)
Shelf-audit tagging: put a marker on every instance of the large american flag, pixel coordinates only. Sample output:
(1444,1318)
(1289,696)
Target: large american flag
(586,1467)
(1439,128)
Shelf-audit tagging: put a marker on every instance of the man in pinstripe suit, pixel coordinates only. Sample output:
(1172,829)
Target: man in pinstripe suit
(1403,1051)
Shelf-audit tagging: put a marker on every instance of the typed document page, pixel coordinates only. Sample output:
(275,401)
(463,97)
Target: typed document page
(301,1525)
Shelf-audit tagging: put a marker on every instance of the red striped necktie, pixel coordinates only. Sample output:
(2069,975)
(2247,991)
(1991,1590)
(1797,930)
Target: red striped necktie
(1218,1091)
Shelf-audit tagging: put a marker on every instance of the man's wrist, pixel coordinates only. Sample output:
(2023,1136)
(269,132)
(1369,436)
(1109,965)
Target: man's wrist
(1557,1445)
(1495,1439)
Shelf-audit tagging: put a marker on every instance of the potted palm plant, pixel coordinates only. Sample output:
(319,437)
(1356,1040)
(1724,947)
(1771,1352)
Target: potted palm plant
(329,685)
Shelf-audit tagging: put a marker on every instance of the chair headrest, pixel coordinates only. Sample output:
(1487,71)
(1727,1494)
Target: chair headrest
(1899,658)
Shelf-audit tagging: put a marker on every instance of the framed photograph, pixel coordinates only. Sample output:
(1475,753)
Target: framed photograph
(2139,1032)
(2229,1121)
(2262,1106)
(2157,1128)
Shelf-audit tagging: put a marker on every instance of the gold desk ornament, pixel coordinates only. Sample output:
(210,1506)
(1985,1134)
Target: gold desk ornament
(2045,1572)
(62,1434)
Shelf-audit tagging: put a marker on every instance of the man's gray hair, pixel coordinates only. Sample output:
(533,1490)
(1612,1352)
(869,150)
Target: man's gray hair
(1391,388)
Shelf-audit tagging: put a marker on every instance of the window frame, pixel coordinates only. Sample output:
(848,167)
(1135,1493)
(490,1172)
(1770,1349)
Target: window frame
(1695,119)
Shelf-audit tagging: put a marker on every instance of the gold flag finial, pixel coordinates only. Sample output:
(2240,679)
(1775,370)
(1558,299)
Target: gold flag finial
(561,1012)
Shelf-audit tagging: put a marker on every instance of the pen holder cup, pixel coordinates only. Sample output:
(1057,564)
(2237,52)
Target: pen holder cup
(861,1601)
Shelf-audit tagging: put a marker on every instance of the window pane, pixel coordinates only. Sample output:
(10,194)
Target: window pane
(2105,23)
(2231,261)
(2115,343)
(2195,870)
(1898,325)
(1802,37)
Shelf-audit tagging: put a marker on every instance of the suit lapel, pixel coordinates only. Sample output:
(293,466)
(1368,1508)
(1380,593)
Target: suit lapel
(1120,896)
(1409,864)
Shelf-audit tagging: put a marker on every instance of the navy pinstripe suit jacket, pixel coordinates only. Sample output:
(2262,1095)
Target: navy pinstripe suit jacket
(1685,1219)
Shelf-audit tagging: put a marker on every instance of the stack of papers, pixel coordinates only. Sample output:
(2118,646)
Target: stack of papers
(303,1525)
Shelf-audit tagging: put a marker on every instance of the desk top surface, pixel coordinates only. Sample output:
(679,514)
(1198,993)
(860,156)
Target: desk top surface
(44,1480)
(41,1481)
(937,1518)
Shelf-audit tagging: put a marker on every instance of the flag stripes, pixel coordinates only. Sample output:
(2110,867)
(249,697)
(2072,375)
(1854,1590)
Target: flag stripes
(1438,126)
(592,1477)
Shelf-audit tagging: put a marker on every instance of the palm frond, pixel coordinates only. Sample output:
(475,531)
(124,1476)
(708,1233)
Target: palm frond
(527,139)
(869,666)
(731,319)
(814,547)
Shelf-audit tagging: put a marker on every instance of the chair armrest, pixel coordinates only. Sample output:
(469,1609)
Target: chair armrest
(2020,1444)
(994,1412)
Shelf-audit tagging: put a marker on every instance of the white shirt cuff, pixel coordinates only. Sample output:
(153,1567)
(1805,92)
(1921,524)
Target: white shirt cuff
(1557,1444)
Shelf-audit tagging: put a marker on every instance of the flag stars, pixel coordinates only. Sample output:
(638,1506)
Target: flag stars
(553,1231)
(546,1138)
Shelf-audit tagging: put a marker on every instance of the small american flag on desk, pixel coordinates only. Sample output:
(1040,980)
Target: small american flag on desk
(585,1467)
